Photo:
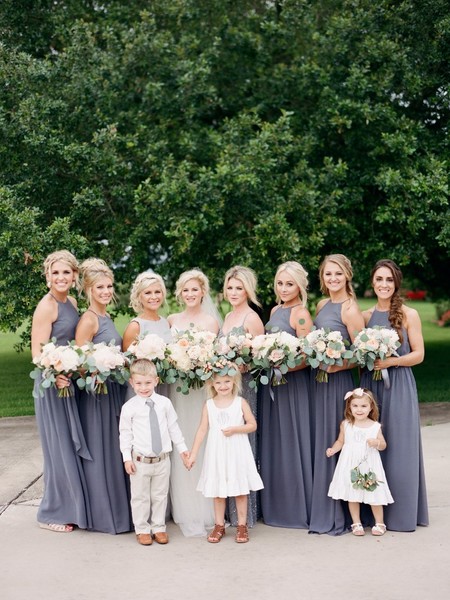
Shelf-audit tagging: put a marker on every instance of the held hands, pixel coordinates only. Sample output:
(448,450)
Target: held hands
(129,467)
(185,458)
(188,460)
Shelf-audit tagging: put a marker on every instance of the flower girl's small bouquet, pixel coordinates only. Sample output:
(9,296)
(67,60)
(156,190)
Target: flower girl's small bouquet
(57,360)
(102,361)
(273,354)
(364,481)
(325,347)
(372,343)
(189,355)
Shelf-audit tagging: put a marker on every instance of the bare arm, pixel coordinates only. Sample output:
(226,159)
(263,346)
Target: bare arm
(86,329)
(44,316)
(250,422)
(130,335)
(199,437)
(337,446)
(413,327)
(253,324)
(379,442)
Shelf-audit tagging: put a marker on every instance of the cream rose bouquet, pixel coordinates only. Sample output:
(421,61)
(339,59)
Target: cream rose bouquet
(154,348)
(325,347)
(189,356)
(57,360)
(273,354)
(236,348)
(102,361)
(372,343)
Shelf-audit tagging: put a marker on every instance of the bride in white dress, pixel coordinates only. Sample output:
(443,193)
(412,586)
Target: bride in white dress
(190,509)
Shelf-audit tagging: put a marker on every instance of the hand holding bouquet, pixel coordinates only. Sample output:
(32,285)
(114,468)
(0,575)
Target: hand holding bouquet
(102,361)
(325,347)
(235,347)
(372,343)
(273,354)
(57,360)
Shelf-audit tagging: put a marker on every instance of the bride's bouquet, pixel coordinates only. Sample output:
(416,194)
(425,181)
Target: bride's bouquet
(273,354)
(189,356)
(372,343)
(325,347)
(57,360)
(102,361)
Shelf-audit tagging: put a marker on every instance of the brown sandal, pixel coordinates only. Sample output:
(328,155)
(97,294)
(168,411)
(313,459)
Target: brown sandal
(241,534)
(216,534)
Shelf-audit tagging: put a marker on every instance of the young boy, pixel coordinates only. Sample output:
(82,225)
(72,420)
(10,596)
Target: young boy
(148,426)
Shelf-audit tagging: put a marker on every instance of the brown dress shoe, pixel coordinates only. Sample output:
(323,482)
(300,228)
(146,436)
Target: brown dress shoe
(145,539)
(161,537)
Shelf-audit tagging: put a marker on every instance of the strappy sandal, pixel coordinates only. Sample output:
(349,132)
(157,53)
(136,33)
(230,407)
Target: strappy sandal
(358,529)
(379,529)
(57,527)
(241,534)
(216,534)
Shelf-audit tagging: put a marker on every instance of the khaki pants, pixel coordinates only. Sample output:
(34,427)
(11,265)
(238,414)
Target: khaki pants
(149,493)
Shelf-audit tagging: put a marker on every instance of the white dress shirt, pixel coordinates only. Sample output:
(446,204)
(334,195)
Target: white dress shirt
(135,431)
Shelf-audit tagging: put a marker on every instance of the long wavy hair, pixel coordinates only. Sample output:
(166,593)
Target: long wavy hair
(396,314)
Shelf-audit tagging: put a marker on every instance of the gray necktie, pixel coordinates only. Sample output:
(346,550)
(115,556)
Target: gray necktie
(154,428)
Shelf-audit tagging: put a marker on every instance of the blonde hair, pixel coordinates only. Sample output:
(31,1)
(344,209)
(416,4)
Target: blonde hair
(237,383)
(359,393)
(187,276)
(343,263)
(298,274)
(141,283)
(143,366)
(62,256)
(93,269)
(248,279)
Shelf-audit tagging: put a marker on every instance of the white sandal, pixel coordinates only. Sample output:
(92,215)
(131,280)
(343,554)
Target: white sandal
(358,529)
(57,527)
(379,529)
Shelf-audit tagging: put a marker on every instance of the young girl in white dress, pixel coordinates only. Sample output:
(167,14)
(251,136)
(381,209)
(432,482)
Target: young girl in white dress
(229,468)
(359,475)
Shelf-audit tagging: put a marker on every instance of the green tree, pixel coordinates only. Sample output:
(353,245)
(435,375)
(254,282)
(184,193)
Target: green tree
(206,133)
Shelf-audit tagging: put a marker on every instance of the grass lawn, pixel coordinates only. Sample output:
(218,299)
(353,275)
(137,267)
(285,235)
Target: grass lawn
(432,376)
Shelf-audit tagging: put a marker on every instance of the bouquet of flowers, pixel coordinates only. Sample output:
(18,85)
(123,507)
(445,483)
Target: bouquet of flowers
(235,347)
(273,354)
(154,348)
(57,360)
(364,481)
(100,362)
(325,347)
(372,343)
(188,359)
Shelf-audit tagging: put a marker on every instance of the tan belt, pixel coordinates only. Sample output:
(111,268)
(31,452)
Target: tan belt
(149,460)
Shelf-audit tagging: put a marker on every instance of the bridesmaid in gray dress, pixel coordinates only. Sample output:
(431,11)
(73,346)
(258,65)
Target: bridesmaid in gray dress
(399,405)
(239,289)
(284,418)
(107,481)
(147,295)
(338,312)
(64,502)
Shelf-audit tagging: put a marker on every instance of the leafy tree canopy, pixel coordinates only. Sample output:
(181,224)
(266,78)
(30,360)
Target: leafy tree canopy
(208,133)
